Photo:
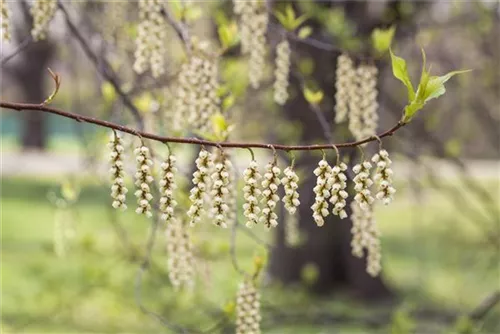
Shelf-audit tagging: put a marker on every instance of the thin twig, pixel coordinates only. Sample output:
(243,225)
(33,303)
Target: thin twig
(102,66)
(180,28)
(485,306)
(193,141)
(19,48)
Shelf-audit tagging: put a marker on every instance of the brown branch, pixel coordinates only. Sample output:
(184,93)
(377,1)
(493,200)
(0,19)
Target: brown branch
(195,141)
(485,306)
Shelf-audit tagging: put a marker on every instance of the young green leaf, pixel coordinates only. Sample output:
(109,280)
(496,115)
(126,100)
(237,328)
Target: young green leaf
(108,92)
(313,97)
(382,39)
(228,33)
(400,71)
(429,87)
(288,19)
(435,87)
(305,32)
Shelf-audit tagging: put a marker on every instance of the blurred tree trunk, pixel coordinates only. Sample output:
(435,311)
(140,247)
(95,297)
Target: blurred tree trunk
(32,76)
(328,247)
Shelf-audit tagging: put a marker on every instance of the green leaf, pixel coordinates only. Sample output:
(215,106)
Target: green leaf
(288,19)
(108,92)
(411,109)
(305,32)
(228,34)
(228,102)
(400,71)
(382,39)
(192,13)
(299,20)
(313,97)
(281,18)
(424,79)
(435,87)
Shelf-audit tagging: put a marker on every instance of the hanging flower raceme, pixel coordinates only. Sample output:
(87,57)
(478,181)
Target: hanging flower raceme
(151,38)
(365,235)
(180,260)
(251,193)
(197,97)
(118,189)
(362,184)
(232,194)
(338,192)
(290,183)
(167,187)
(201,181)
(383,177)
(257,61)
(248,308)
(245,10)
(292,232)
(368,99)
(219,192)
(282,72)
(42,11)
(343,86)
(143,180)
(269,194)
(322,190)
(5,11)
(356,126)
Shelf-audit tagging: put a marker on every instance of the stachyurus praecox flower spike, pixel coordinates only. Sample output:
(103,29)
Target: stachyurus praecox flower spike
(167,187)
(269,195)
(338,192)
(196,97)
(248,308)
(365,235)
(362,184)
(251,193)
(282,72)
(4,8)
(253,28)
(201,181)
(150,41)
(42,11)
(219,192)
(118,189)
(180,260)
(363,105)
(343,86)
(322,190)
(143,180)
(290,183)
(383,177)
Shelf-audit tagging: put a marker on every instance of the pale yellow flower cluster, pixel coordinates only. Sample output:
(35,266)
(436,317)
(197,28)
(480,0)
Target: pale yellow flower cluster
(42,12)
(197,97)
(253,27)
(151,38)
(248,309)
(5,17)
(180,259)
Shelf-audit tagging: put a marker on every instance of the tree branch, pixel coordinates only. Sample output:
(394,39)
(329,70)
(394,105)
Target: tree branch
(193,141)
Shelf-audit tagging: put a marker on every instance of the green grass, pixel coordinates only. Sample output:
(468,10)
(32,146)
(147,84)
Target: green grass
(432,256)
